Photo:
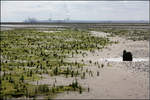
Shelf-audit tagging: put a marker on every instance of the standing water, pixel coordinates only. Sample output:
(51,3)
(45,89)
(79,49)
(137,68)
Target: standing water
(121,60)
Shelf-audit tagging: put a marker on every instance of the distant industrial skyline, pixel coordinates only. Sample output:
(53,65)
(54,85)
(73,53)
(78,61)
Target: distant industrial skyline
(18,11)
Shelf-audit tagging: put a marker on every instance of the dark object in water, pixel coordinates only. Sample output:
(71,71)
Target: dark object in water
(127,56)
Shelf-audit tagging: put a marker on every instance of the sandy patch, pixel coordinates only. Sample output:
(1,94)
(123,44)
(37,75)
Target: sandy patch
(51,80)
(50,31)
(100,34)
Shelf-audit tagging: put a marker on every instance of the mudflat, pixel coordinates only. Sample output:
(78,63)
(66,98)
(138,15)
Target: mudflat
(74,63)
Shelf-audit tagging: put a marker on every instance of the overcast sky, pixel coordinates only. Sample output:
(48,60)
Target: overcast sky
(74,10)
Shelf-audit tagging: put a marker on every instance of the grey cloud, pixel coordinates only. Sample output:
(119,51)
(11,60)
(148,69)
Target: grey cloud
(83,10)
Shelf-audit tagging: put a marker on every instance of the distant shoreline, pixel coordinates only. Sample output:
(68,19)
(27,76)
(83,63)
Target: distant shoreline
(69,23)
(80,22)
